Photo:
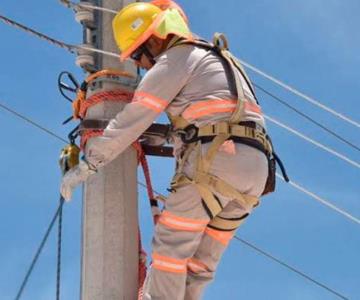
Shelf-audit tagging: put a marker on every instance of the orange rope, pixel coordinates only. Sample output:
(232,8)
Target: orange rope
(80,107)
(117,95)
(80,104)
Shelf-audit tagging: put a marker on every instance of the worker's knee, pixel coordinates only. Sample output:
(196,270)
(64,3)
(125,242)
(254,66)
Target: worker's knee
(201,269)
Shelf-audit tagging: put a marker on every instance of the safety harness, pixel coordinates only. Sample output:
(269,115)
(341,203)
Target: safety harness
(246,132)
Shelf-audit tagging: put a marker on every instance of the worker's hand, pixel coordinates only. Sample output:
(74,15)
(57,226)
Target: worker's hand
(74,177)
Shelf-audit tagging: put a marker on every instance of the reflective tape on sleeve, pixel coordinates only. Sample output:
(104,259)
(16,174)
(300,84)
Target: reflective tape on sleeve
(152,102)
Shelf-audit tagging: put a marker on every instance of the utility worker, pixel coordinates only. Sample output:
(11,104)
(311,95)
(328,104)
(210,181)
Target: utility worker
(220,145)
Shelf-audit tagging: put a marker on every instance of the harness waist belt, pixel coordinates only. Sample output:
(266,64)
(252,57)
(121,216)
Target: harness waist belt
(248,133)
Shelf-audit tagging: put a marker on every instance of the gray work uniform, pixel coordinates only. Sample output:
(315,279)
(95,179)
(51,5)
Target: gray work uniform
(188,81)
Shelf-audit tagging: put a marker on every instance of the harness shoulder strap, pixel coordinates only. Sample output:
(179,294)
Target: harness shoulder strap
(220,48)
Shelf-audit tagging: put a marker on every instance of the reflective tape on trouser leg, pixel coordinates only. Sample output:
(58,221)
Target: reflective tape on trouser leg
(223,237)
(177,237)
(182,224)
(202,266)
(169,264)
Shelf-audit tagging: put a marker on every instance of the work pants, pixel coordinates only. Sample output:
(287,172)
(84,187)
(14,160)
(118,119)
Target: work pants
(186,250)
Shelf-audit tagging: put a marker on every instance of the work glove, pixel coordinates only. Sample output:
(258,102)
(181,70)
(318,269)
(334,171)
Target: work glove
(74,177)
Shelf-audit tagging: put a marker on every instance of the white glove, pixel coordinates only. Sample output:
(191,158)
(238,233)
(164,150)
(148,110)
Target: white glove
(74,177)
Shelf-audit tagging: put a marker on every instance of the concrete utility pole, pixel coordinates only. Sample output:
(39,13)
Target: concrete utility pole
(110,221)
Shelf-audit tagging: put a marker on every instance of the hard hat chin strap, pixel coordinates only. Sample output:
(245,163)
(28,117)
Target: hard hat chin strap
(148,54)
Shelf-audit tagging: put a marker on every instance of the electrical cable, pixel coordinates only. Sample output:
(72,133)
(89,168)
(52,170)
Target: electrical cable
(316,143)
(301,95)
(295,185)
(72,48)
(39,250)
(321,200)
(289,267)
(277,260)
(349,216)
(26,119)
(59,244)
(283,102)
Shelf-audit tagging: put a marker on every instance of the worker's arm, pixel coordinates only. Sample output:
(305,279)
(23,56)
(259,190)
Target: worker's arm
(158,88)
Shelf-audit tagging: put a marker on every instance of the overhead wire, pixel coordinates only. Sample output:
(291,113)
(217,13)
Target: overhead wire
(316,143)
(73,48)
(283,102)
(69,47)
(39,249)
(293,269)
(321,200)
(295,185)
(277,260)
(312,141)
(26,119)
(301,95)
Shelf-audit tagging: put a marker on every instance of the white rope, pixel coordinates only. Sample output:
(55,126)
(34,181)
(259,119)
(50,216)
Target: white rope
(74,5)
(322,200)
(318,144)
(300,94)
(95,50)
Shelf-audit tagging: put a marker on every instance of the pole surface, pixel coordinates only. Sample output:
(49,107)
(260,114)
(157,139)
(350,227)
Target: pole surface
(110,221)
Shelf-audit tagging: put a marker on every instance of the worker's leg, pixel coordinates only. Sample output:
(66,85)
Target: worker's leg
(202,266)
(177,237)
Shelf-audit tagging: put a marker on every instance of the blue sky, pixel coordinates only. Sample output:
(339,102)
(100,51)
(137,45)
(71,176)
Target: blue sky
(311,44)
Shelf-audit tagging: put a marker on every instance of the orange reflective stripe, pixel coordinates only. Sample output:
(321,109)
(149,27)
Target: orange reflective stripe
(253,107)
(179,223)
(169,264)
(223,237)
(150,101)
(197,266)
(210,107)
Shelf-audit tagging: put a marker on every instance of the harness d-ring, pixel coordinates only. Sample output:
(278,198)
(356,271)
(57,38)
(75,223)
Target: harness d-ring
(220,41)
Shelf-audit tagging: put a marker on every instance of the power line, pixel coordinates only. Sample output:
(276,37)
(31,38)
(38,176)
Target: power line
(38,34)
(277,260)
(301,95)
(295,185)
(286,265)
(26,119)
(283,102)
(39,250)
(316,143)
(141,184)
(73,48)
(322,200)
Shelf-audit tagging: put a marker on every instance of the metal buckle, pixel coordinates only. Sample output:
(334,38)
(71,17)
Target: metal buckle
(190,134)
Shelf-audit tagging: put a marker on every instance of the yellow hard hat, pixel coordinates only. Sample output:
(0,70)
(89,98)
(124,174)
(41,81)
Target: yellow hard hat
(137,22)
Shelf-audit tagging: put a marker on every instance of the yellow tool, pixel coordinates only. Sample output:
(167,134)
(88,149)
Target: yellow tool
(69,157)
